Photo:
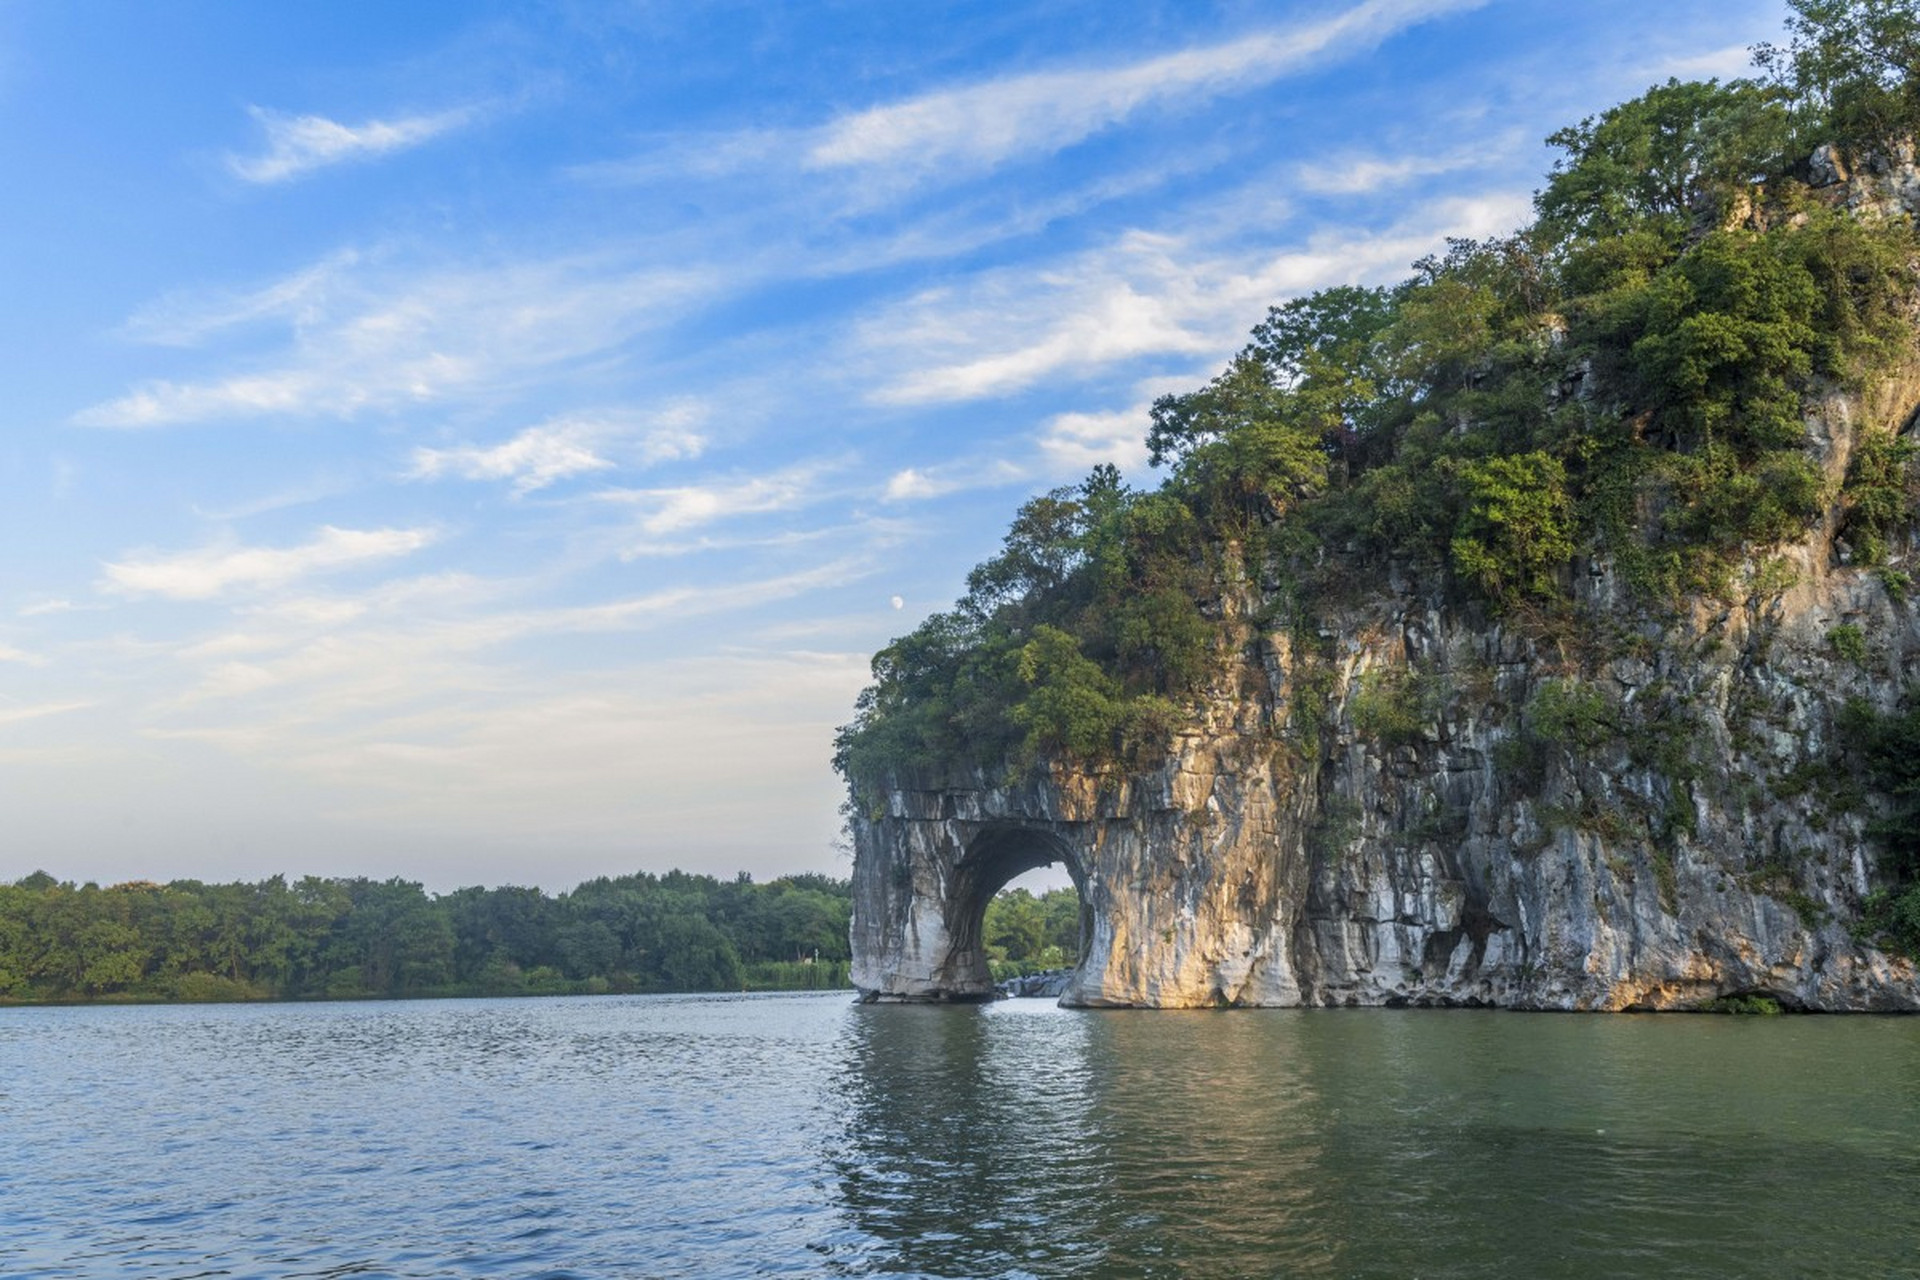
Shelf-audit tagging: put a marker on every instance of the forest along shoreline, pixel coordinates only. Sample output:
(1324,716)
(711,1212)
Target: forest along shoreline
(353,938)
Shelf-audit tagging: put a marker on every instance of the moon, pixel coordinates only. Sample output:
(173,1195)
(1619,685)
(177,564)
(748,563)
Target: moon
(898,603)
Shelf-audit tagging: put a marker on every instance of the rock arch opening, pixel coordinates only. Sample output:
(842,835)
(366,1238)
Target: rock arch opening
(993,859)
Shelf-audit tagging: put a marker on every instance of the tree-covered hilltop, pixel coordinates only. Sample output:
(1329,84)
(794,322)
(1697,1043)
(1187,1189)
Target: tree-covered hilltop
(1624,385)
(345,938)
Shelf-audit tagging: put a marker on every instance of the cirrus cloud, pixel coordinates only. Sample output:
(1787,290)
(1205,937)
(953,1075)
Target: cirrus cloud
(298,145)
(533,459)
(983,125)
(375,340)
(212,571)
(558,450)
(681,507)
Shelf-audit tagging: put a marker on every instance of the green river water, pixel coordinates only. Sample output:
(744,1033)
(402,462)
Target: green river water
(805,1135)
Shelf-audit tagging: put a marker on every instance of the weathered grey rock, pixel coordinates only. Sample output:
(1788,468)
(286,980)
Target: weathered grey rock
(1468,863)
(1827,167)
(1880,185)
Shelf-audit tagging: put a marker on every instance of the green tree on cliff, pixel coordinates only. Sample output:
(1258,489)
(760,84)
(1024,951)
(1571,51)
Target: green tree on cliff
(1848,67)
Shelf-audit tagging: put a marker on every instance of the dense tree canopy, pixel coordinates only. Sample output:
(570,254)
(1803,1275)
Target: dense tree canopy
(1847,70)
(1652,163)
(360,937)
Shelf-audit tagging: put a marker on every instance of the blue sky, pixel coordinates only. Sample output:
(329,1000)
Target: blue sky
(484,443)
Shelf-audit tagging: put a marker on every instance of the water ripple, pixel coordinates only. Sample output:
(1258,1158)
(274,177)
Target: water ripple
(805,1136)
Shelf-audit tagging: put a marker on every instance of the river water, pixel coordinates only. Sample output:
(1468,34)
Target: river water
(807,1136)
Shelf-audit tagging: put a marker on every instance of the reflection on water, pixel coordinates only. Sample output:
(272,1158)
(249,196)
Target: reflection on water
(1027,1139)
(807,1136)
(968,1139)
(1023,1140)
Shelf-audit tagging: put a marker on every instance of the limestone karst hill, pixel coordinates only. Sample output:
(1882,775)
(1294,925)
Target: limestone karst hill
(1536,632)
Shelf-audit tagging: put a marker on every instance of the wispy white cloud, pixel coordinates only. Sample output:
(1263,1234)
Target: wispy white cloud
(983,125)
(1147,295)
(560,449)
(1118,306)
(416,596)
(182,320)
(298,145)
(957,133)
(670,510)
(1080,441)
(299,494)
(14,715)
(212,571)
(40,608)
(1725,63)
(913,484)
(10,654)
(964,223)
(664,548)
(672,433)
(675,603)
(534,459)
(692,156)
(386,340)
(1367,174)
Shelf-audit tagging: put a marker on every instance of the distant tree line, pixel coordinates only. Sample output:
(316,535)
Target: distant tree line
(329,938)
(345,938)
(1025,933)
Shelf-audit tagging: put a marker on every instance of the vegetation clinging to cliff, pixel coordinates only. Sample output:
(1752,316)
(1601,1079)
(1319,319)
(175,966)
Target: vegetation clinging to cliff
(1627,378)
(1887,748)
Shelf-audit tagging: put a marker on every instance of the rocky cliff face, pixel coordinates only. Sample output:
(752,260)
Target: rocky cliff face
(1422,804)
(1698,843)
(1879,185)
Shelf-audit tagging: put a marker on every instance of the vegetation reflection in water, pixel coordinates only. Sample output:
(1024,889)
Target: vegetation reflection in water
(1024,1140)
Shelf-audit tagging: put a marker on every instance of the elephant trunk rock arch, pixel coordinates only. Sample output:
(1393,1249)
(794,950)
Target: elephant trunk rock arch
(920,907)
(1163,921)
